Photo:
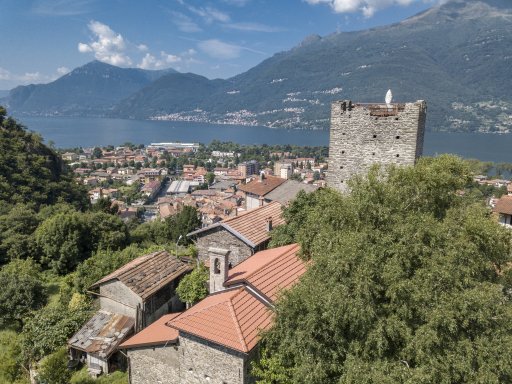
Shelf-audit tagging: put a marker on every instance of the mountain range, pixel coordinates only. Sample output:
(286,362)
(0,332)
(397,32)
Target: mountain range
(456,56)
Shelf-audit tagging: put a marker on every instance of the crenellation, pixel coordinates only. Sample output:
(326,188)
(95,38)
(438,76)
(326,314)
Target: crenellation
(365,134)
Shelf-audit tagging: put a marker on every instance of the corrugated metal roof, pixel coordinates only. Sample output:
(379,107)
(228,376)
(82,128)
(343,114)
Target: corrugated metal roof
(147,274)
(102,333)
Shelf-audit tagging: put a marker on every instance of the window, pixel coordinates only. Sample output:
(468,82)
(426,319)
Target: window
(216,266)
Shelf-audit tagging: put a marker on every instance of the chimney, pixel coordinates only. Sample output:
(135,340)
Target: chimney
(269,224)
(262,177)
(219,267)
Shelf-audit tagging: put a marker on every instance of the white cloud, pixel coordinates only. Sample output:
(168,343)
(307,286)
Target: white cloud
(62,7)
(185,23)
(62,71)
(366,7)
(238,3)
(210,14)
(219,49)
(164,61)
(107,45)
(142,47)
(252,27)
(5,74)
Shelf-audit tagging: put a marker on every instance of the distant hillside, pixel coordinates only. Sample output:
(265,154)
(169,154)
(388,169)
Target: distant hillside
(91,89)
(456,56)
(31,172)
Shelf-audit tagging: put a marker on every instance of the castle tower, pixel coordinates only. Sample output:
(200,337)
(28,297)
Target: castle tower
(365,134)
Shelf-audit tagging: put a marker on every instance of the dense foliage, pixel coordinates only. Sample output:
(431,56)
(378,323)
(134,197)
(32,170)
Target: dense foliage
(408,283)
(22,291)
(31,172)
(193,287)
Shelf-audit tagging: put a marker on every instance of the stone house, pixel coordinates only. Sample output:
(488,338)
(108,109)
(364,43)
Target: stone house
(130,299)
(503,209)
(215,342)
(256,190)
(241,235)
(287,191)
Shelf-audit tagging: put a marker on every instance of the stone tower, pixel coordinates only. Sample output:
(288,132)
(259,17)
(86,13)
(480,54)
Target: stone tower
(365,134)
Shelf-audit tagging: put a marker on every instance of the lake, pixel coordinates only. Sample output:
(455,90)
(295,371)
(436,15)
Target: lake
(69,132)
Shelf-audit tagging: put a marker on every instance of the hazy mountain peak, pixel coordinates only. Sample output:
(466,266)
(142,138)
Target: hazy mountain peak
(463,10)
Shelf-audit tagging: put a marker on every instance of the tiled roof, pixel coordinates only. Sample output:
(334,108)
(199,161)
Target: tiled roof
(251,227)
(147,274)
(232,318)
(102,333)
(288,191)
(262,187)
(269,271)
(235,317)
(155,334)
(504,205)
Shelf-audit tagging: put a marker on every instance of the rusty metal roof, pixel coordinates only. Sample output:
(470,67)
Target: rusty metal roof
(147,274)
(102,333)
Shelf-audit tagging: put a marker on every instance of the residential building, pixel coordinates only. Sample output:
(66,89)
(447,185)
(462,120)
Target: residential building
(503,208)
(151,189)
(130,299)
(255,191)
(241,235)
(249,168)
(287,191)
(216,340)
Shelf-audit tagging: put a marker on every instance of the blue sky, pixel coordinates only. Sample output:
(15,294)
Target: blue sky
(44,39)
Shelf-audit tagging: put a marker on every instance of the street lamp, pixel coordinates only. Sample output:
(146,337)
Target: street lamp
(179,238)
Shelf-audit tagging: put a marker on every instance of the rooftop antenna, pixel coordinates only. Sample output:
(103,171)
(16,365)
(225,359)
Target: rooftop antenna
(389,98)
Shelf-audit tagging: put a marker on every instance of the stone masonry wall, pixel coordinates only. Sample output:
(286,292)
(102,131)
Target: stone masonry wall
(221,238)
(154,365)
(204,362)
(120,292)
(358,139)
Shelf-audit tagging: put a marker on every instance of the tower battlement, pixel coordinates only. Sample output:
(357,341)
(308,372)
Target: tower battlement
(366,134)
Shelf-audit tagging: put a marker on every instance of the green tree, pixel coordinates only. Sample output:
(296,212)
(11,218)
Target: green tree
(192,288)
(183,223)
(210,178)
(49,329)
(409,282)
(97,153)
(22,291)
(68,238)
(53,368)
(10,354)
(16,233)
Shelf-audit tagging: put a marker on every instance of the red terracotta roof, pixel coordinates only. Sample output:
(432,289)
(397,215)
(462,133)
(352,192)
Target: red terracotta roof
(504,205)
(262,187)
(235,317)
(232,318)
(251,226)
(269,271)
(147,274)
(155,334)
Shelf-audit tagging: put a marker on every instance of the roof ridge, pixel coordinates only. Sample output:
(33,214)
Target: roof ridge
(183,314)
(229,219)
(292,246)
(237,322)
